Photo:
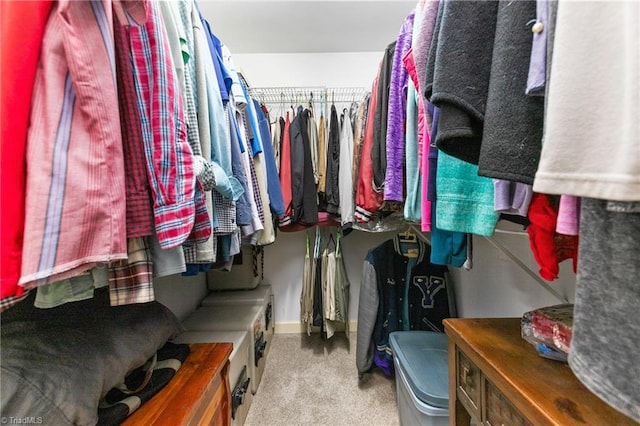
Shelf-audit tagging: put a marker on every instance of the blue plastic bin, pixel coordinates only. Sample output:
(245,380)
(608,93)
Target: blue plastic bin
(422,379)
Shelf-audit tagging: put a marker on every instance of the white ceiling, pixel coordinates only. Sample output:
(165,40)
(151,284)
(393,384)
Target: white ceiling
(263,26)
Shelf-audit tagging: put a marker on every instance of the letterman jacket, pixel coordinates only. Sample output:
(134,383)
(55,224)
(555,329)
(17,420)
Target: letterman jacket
(382,301)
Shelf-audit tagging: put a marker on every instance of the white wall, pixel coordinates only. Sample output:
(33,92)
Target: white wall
(494,287)
(354,69)
(181,294)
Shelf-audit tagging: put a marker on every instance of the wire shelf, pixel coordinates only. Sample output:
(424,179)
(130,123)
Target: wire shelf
(304,95)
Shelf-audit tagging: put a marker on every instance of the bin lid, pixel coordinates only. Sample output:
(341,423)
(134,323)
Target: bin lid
(422,355)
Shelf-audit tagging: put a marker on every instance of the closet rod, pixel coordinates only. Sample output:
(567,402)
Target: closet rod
(526,269)
(303,94)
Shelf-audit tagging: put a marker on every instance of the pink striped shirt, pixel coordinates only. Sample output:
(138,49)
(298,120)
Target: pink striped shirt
(75,189)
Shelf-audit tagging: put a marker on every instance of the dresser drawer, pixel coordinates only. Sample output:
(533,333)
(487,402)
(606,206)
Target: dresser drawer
(498,410)
(469,384)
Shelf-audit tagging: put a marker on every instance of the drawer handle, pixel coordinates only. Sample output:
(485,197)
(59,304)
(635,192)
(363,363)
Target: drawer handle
(467,375)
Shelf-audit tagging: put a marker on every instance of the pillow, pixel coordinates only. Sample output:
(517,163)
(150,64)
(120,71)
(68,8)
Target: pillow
(57,363)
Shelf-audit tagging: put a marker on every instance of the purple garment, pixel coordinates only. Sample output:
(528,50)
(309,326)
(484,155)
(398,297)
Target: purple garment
(568,215)
(511,197)
(538,62)
(394,178)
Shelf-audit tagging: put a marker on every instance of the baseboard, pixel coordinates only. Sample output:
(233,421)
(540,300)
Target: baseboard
(296,327)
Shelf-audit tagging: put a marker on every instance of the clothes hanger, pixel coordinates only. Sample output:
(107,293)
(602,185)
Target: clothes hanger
(407,236)
(408,243)
(282,102)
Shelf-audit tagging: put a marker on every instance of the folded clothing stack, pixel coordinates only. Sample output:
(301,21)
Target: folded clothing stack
(549,329)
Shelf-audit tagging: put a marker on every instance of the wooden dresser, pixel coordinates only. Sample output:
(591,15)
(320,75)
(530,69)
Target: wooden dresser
(497,378)
(199,393)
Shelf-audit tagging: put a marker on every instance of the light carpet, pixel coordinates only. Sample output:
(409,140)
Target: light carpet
(310,381)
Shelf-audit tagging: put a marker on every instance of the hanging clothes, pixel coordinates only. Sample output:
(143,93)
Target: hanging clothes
(358,137)
(276,202)
(308,280)
(312,131)
(276,141)
(395,140)
(587,158)
(303,189)
(317,282)
(345,182)
(510,114)
(322,164)
(285,172)
(243,204)
(368,200)
(342,287)
(412,203)
(379,147)
(328,264)
(604,352)
(139,202)
(458,74)
(75,188)
(172,184)
(332,188)
(548,247)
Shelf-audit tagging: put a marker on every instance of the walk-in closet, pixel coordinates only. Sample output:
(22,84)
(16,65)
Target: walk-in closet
(329,212)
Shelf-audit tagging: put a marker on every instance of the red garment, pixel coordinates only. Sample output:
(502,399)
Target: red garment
(22,26)
(368,201)
(139,202)
(549,248)
(285,174)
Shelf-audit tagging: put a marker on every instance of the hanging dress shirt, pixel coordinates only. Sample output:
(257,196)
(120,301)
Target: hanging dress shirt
(256,223)
(169,157)
(75,187)
(273,183)
(243,205)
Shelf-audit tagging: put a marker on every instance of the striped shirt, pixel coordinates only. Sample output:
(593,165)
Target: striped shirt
(75,187)
(169,157)
(139,204)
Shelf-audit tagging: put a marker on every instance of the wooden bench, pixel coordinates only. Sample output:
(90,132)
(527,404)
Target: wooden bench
(199,394)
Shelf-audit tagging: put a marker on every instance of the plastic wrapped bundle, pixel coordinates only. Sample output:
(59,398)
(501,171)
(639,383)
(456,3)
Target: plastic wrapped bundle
(549,330)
